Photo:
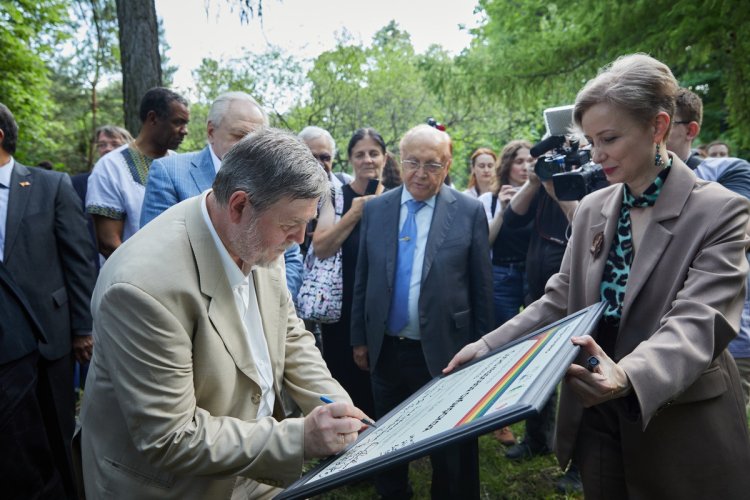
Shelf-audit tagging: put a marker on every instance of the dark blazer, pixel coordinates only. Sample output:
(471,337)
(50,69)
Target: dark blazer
(47,251)
(80,184)
(455,302)
(19,328)
(687,436)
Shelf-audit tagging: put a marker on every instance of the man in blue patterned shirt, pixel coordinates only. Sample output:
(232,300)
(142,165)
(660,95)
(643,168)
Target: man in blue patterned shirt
(118,181)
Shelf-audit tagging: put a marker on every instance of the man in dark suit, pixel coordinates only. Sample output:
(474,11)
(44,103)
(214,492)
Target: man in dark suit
(29,471)
(45,248)
(423,286)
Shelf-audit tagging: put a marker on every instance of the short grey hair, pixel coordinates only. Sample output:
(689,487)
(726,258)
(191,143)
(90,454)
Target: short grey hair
(311,132)
(114,132)
(270,164)
(221,105)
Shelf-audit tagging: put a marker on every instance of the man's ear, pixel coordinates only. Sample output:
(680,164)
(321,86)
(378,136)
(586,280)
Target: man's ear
(151,116)
(238,202)
(210,132)
(693,129)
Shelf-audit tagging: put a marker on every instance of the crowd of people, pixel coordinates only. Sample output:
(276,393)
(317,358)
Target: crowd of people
(216,295)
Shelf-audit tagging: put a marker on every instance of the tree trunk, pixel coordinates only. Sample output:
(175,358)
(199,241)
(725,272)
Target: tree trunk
(139,55)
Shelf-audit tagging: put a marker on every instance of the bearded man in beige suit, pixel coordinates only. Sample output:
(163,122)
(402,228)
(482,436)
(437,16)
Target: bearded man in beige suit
(197,336)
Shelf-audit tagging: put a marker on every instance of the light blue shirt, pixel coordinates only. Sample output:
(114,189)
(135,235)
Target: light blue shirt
(5,172)
(424,221)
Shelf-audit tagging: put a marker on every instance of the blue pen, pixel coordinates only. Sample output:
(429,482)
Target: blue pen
(366,421)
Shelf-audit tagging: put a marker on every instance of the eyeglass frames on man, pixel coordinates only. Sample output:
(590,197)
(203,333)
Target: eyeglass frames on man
(322,157)
(430,166)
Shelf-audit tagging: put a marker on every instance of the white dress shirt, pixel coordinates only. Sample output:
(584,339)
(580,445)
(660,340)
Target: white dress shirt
(5,172)
(246,301)
(215,159)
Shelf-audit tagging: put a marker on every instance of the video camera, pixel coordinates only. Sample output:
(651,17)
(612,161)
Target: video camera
(573,173)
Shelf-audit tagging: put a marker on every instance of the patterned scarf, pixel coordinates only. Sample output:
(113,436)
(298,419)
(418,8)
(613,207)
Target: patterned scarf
(617,268)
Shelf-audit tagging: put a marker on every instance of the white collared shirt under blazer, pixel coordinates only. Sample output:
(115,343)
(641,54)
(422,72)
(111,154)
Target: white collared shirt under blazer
(172,408)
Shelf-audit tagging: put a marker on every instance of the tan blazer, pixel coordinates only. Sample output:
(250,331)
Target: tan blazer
(172,393)
(682,307)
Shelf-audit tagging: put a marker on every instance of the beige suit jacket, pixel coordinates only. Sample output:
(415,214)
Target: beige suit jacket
(172,393)
(682,307)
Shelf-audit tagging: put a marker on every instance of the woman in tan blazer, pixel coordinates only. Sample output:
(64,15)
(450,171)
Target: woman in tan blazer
(662,415)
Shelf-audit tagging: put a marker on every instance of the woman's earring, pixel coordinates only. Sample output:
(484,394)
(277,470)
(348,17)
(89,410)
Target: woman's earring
(657,159)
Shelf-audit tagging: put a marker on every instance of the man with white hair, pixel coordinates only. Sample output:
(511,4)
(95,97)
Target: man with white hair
(323,148)
(172,179)
(423,285)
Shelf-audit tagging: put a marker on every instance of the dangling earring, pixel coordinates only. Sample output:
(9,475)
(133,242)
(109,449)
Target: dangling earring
(657,159)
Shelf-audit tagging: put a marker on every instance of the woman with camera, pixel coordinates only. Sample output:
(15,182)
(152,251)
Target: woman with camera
(509,245)
(367,155)
(666,253)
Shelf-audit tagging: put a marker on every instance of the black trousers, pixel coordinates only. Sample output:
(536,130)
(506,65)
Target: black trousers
(57,401)
(27,468)
(400,371)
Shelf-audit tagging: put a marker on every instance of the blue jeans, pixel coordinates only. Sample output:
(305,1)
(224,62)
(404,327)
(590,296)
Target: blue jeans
(508,283)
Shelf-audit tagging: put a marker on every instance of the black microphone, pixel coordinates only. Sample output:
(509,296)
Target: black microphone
(551,142)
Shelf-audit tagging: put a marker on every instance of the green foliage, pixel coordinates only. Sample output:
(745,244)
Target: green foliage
(526,56)
(389,87)
(85,82)
(29,31)
(272,77)
(540,51)
(499,478)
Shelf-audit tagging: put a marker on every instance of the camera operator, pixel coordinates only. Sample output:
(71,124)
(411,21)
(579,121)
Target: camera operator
(536,201)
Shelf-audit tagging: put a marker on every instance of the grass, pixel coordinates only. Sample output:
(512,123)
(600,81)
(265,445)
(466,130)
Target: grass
(499,477)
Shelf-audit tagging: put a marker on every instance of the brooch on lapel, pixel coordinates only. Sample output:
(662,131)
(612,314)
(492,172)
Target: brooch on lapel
(596,244)
(24,184)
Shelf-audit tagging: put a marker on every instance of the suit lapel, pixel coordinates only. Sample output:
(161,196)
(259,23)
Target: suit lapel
(656,237)
(445,209)
(391,212)
(268,290)
(603,228)
(21,187)
(202,170)
(222,310)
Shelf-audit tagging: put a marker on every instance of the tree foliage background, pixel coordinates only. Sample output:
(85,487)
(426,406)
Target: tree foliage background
(62,77)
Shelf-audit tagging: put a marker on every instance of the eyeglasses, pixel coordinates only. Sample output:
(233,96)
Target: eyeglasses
(430,166)
(105,144)
(323,157)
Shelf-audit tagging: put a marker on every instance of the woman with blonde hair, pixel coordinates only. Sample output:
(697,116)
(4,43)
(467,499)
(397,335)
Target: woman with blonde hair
(666,253)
